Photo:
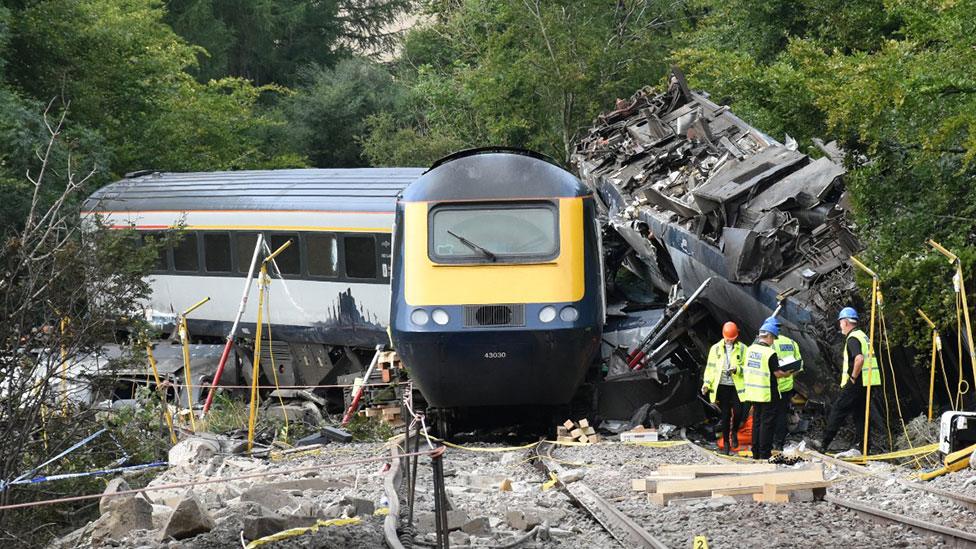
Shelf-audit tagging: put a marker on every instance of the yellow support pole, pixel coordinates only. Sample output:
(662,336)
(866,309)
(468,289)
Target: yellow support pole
(874,304)
(161,391)
(960,287)
(255,372)
(936,343)
(185,341)
(263,282)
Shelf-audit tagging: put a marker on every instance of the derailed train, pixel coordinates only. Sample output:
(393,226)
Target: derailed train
(498,296)
(493,285)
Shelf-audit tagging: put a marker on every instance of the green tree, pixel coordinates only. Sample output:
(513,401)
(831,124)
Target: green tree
(270,41)
(327,115)
(530,73)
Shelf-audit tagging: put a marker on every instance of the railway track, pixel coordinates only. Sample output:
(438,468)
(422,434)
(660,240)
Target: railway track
(613,520)
(955,536)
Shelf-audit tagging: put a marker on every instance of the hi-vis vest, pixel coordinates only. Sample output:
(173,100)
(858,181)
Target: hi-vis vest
(716,363)
(756,373)
(786,348)
(870,367)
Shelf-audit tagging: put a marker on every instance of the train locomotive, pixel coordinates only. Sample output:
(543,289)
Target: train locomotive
(497,290)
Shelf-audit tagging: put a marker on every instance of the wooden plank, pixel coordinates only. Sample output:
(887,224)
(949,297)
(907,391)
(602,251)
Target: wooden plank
(569,425)
(576,433)
(562,431)
(648,484)
(584,423)
(705,469)
(668,490)
(780,493)
(588,430)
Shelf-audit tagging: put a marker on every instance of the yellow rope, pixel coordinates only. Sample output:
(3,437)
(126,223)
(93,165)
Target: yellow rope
(295,532)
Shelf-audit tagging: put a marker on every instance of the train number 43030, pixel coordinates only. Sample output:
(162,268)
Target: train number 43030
(496,354)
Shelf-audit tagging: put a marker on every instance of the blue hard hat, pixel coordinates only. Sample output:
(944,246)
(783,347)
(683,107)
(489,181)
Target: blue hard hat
(770,326)
(773,320)
(847,313)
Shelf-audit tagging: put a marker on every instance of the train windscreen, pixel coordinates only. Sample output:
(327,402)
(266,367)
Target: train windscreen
(509,233)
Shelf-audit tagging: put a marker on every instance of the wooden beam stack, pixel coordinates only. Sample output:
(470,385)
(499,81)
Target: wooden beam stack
(576,431)
(388,365)
(763,481)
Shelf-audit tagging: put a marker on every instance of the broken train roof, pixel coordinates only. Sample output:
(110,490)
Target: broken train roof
(697,192)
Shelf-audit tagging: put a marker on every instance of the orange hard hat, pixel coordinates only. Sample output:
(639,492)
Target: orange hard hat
(730,330)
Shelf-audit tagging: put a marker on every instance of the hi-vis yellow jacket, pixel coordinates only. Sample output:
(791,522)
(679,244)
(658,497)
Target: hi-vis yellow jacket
(716,363)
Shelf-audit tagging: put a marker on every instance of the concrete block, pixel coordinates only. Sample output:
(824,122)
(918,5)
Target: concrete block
(192,450)
(477,527)
(522,521)
(189,519)
(117,484)
(122,515)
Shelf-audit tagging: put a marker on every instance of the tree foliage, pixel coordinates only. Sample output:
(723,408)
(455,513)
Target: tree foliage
(272,41)
(529,73)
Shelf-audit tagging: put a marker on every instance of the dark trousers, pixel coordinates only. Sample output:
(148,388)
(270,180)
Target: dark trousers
(850,402)
(731,410)
(782,414)
(763,426)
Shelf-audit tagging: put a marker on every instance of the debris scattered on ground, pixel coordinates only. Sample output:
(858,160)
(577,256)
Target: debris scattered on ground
(577,431)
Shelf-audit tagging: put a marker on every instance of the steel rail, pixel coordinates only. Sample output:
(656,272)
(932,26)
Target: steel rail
(958,538)
(613,520)
(962,500)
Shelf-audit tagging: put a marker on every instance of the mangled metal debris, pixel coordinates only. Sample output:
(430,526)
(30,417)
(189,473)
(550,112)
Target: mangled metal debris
(695,193)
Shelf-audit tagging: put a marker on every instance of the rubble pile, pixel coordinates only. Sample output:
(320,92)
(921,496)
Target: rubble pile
(218,514)
(695,192)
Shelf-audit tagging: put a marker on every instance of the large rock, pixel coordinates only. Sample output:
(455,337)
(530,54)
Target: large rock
(193,450)
(269,496)
(189,519)
(122,515)
(262,522)
(115,485)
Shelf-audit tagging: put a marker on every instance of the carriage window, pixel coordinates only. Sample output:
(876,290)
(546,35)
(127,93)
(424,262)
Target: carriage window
(216,252)
(245,251)
(322,254)
(161,262)
(185,253)
(360,256)
(289,261)
(508,233)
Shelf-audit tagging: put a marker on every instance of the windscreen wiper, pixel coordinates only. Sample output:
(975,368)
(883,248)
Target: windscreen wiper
(474,246)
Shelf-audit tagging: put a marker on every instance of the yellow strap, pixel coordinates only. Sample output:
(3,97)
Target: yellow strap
(295,532)
(917,451)
(547,485)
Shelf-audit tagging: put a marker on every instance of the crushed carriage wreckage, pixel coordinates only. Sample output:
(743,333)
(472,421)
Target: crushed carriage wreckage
(693,197)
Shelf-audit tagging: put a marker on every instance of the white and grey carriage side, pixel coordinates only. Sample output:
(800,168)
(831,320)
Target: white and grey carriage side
(332,297)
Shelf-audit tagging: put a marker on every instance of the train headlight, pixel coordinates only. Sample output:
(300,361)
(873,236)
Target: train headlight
(419,317)
(440,316)
(547,313)
(568,314)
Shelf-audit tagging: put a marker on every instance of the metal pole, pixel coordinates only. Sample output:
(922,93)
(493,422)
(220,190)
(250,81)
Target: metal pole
(867,359)
(185,341)
(162,392)
(359,392)
(935,340)
(636,359)
(959,286)
(237,320)
(440,498)
(64,368)
(255,372)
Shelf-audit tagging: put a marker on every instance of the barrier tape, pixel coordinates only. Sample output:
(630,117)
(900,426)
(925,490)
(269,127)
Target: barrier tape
(64,476)
(295,532)
(209,481)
